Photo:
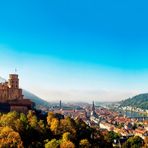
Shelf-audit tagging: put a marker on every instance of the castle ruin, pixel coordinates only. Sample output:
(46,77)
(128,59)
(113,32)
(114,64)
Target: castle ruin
(11,97)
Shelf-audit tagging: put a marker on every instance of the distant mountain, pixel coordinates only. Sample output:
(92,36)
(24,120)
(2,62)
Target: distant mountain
(35,98)
(31,96)
(140,101)
(2,80)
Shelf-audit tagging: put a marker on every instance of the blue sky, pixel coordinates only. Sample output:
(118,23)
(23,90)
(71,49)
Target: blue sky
(76,50)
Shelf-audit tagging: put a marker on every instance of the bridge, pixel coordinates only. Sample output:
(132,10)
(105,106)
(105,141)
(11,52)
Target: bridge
(139,118)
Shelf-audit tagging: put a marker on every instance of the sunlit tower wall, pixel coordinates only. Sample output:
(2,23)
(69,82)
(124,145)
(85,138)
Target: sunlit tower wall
(13,81)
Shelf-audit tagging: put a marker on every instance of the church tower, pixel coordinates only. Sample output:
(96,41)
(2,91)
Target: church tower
(93,110)
(13,81)
(93,107)
(60,105)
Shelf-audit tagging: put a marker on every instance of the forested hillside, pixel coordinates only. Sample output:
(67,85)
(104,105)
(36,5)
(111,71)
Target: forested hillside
(50,131)
(140,101)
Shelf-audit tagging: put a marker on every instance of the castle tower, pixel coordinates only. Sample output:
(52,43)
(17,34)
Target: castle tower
(13,81)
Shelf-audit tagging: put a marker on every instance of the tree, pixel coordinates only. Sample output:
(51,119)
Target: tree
(66,136)
(50,117)
(146,142)
(55,126)
(33,121)
(67,144)
(52,144)
(84,143)
(111,136)
(83,131)
(133,142)
(136,141)
(18,130)
(9,119)
(68,125)
(10,138)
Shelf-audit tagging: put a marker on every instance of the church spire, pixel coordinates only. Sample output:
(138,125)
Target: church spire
(60,105)
(93,106)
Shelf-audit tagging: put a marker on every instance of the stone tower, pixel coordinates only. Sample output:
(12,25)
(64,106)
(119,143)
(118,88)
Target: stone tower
(13,81)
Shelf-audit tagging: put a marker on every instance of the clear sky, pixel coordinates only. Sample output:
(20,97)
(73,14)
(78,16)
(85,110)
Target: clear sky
(78,50)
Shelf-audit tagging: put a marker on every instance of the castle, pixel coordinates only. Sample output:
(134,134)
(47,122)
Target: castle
(11,97)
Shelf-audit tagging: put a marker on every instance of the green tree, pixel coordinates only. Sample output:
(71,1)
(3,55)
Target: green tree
(110,136)
(133,142)
(9,119)
(52,144)
(84,143)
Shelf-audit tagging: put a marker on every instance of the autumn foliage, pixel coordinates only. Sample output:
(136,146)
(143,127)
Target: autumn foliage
(35,130)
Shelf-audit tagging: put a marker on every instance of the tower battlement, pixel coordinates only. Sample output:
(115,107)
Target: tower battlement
(13,76)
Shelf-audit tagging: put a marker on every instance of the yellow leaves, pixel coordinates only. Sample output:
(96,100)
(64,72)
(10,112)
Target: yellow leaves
(66,125)
(60,143)
(33,121)
(50,114)
(35,131)
(67,144)
(66,136)
(9,138)
(84,143)
(52,144)
(60,126)
(31,114)
(9,119)
(4,131)
(41,125)
(54,125)
(146,142)
(50,117)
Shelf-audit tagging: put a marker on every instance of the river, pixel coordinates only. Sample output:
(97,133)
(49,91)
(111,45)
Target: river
(135,115)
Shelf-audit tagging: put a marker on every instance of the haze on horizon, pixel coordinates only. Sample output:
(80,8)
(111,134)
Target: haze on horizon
(76,50)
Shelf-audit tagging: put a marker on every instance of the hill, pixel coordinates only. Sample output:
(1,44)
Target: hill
(140,101)
(35,98)
(2,80)
(31,96)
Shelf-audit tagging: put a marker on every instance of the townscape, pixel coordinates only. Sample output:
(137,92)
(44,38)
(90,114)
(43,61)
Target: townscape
(102,119)
(73,74)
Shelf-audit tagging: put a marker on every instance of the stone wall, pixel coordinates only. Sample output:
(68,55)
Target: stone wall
(21,109)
